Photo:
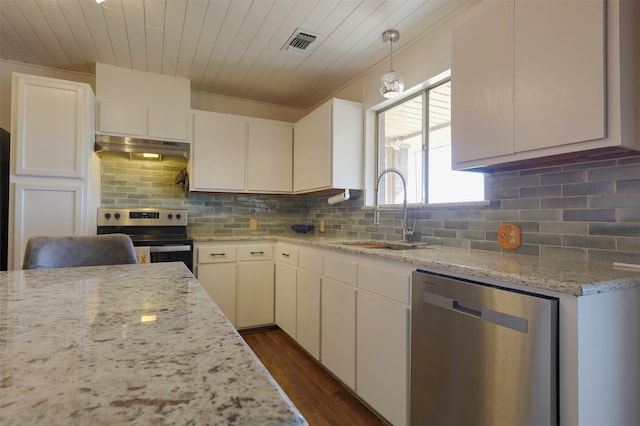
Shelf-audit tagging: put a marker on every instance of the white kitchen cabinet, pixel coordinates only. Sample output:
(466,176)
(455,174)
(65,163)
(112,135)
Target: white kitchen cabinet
(54,174)
(308,297)
(269,156)
(339,330)
(240,279)
(216,271)
(328,148)
(522,94)
(233,153)
(218,152)
(140,104)
(308,311)
(338,317)
(382,345)
(255,285)
(286,287)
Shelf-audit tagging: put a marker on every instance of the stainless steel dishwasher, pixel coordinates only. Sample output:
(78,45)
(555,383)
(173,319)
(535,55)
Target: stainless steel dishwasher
(481,354)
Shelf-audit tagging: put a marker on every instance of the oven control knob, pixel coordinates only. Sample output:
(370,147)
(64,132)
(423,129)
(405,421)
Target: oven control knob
(170,215)
(107,215)
(117,216)
(178,216)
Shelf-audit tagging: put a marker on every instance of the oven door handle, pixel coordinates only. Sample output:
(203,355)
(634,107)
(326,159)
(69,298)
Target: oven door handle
(166,249)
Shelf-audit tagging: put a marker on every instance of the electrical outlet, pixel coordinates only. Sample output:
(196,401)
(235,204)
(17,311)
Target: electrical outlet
(509,236)
(253,224)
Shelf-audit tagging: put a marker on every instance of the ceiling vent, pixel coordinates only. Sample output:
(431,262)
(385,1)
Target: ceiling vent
(300,41)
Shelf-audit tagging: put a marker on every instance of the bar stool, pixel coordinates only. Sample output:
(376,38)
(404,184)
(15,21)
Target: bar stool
(94,250)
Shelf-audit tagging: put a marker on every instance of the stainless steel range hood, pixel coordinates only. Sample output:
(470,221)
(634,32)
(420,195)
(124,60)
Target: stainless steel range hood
(138,145)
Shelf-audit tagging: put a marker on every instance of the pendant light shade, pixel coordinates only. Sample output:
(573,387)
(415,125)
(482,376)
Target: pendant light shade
(391,83)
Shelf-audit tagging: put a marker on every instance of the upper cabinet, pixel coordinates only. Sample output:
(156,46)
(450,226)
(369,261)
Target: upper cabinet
(233,153)
(140,104)
(536,79)
(328,148)
(52,127)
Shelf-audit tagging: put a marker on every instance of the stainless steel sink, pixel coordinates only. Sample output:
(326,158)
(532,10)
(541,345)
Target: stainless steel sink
(394,245)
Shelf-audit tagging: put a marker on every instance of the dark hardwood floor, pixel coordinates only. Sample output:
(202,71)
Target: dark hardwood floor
(321,399)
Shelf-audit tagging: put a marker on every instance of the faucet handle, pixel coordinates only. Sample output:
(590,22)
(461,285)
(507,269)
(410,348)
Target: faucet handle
(409,231)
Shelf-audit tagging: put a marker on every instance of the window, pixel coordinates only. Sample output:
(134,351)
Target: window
(422,153)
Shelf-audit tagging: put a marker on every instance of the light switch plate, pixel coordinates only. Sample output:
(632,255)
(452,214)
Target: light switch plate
(509,236)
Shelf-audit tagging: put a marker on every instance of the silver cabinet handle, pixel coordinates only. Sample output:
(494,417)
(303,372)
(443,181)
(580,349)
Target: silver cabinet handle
(256,253)
(218,254)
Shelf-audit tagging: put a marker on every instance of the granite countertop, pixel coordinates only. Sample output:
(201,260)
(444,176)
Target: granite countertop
(126,344)
(529,272)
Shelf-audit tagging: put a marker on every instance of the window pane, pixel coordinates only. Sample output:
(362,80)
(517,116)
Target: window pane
(400,147)
(446,185)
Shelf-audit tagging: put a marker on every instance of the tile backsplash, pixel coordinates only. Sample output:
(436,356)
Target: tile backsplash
(588,211)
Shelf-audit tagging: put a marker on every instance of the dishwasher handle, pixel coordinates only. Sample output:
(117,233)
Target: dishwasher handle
(483,314)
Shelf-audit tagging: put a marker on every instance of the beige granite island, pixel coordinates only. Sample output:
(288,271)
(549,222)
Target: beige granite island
(127,344)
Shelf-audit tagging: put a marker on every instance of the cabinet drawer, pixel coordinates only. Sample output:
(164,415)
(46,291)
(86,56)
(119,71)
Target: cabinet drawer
(341,270)
(386,281)
(310,260)
(216,254)
(255,252)
(287,254)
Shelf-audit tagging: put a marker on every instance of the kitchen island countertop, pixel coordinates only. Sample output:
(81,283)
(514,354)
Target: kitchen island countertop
(530,272)
(126,344)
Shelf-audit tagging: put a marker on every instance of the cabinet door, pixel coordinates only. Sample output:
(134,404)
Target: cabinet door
(255,294)
(270,157)
(382,363)
(560,73)
(218,162)
(167,124)
(312,150)
(46,208)
(339,330)
(120,118)
(219,279)
(482,78)
(50,132)
(286,287)
(308,312)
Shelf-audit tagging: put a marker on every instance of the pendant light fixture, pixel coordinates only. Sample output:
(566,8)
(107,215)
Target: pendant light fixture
(391,83)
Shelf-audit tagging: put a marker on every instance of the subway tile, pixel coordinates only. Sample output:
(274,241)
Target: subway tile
(472,235)
(484,245)
(444,233)
(455,242)
(542,170)
(521,181)
(592,215)
(569,253)
(589,165)
(542,239)
(628,215)
(628,244)
(541,215)
(456,224)
(520,204)
(617,229)
(564,203)
(606,243)
(528,249)
(625,186)
(615,201)
(610,256)
(541,191)
(563,177)
(614,173)
(503,194)
(591,188)
(629,160)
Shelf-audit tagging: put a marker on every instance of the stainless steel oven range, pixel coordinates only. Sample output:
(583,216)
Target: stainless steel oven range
(159,233)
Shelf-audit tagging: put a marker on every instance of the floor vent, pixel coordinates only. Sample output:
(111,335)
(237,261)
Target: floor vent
(300,41)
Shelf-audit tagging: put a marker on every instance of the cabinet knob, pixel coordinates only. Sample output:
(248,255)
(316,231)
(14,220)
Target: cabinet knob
(107,215)
(117,216)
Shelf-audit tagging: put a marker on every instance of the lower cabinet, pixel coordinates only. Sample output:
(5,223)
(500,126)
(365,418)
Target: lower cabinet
(339,330)
(382,363)
(240,279)
(308,311)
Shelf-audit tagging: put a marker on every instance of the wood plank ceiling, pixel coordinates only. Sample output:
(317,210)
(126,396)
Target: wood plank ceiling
(225,47)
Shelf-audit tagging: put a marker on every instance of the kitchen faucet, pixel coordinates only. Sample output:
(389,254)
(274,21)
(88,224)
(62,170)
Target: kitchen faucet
(406,232)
